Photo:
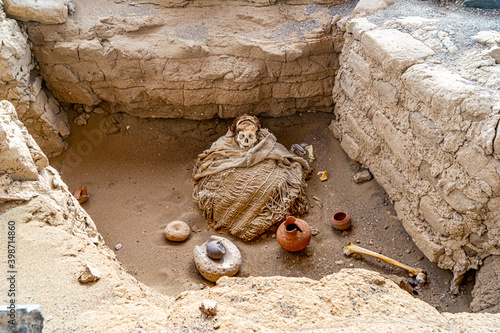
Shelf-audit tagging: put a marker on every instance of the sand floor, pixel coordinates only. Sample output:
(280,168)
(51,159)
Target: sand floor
(140,179)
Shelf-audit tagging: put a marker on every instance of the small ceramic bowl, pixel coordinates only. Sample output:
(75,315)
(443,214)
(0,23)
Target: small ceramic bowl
(341,221)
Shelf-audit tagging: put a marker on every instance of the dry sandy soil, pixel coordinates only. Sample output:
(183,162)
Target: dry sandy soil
(140,179)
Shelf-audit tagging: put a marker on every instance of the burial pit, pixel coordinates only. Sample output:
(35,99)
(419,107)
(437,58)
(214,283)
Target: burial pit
(122,96)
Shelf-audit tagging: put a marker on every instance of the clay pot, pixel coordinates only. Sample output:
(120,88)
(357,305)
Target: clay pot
(341,221)
(294,234)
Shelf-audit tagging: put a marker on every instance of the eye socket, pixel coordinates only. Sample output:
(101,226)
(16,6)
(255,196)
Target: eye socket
(251,135)
(241,135)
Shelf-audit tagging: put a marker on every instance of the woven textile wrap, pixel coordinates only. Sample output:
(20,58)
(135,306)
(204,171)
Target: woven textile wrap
(247,190)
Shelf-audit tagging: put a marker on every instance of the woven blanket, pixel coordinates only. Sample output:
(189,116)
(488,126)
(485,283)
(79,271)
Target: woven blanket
(248,190)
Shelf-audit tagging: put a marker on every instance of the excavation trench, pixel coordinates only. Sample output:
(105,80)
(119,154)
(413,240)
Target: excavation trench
(140,179)
(380,100)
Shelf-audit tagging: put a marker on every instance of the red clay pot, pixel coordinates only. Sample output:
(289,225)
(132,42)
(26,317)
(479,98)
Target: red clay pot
(341,221)
(294,234)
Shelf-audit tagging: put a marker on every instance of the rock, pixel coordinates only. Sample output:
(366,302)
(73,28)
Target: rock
(209,307)
(212,269)
(46,11)
(27,318)
(89,274)
(81,119)
(20,157)
(494,52)
(177,231)
(118,246)
(486,292)
(215,250)
(486,4)
(362,176)
(365,7)
(394,49)
(487,37)
(339,262)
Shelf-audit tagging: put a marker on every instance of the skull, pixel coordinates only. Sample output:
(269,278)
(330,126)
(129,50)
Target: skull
(245,129)
(247,139)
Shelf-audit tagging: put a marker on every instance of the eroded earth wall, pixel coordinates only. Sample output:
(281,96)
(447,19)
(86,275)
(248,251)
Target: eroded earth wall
(21,84)
(200,63)
(428,135)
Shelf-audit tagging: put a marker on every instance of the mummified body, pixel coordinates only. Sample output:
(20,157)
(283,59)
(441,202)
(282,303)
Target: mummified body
(247,186)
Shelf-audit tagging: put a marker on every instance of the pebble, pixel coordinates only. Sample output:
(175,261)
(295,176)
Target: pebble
(118,246)
(273,236)
(89,274)
(339,262)
(362,176)
(177,231)
(408,251)
(314,231)
(209,307)
(215,250)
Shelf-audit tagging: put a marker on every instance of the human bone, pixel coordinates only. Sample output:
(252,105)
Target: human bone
(247,139)
(245,129)
(420,274)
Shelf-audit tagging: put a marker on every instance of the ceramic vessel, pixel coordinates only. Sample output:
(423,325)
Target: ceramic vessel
(294,234)
(341,221)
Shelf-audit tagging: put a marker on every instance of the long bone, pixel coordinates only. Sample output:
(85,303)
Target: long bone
(420,274)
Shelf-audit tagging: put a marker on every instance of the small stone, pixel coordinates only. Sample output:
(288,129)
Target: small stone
(280,296)
(339,262)
(408,251)
(215,250)
(362,176)
(421,258)
(264,236)
(358,241)
(351,265)
(370,242)
(209,307)
(177,231)
(314,231)
(386,227)
(273,236)
(118,246)
(81,119)
(89,274)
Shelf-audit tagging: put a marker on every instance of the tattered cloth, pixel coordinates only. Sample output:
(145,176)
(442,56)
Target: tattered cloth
(247,190)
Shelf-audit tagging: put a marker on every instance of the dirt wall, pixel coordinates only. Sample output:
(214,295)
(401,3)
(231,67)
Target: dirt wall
(428,135)
(21,84)
(205,62)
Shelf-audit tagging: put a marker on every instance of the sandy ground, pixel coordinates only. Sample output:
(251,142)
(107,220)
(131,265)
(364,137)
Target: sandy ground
(140,179)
